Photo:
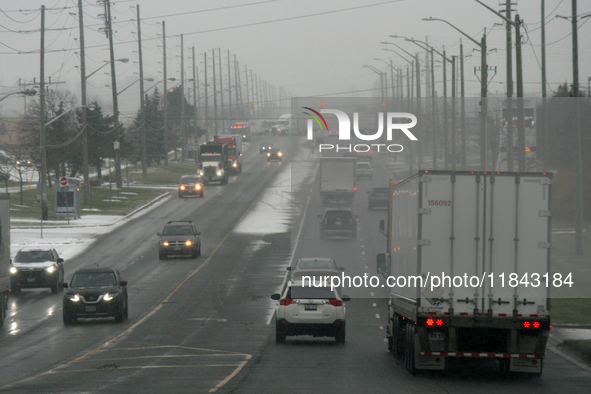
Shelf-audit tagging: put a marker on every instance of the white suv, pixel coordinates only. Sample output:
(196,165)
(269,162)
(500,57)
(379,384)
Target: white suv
(307,310)
(364,170)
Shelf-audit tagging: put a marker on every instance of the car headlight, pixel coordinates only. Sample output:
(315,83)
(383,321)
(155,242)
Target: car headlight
(198,186)
(219,173)
(268,155)
(279,154)
(74,298)
(50,269)
(13,270)
(165,243)
(109,297)
(182,187)
(234,164)
(201,172)
(188,242)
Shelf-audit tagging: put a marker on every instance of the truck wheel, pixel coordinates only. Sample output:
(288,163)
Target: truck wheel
(409,353)
(397,337)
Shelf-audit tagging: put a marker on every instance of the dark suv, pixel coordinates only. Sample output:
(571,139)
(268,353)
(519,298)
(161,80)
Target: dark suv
(338,222)
(34,268)
(179,238)
(190,185)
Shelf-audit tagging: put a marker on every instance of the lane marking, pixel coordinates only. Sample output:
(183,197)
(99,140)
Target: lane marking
(223,382)
(377,315)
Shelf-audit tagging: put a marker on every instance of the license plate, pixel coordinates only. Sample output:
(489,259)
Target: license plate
(91,309)
(177,248)
(436,336)
(338,222)
(30,280)
(310,307)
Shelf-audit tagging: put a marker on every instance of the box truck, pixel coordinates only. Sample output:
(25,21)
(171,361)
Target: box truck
(338,179)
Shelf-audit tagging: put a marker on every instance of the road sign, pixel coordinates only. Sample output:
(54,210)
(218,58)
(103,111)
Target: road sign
(64,181)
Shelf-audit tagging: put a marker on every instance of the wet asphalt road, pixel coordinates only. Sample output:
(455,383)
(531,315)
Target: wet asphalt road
(199,326)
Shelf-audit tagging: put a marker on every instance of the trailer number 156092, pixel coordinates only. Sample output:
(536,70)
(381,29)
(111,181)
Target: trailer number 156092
(439,203)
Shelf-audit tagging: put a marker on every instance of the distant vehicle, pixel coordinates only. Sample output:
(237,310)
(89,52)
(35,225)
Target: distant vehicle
(318,267)
(95,292)
(338,222)
(364,170)
(234,143)
(338,179)
(37,268)
(283,125)
(179,238)
(274,154)
(262,126)
(190,185)
(379,197)
(265,147)
(213,162)
(241,128)
(305,310)
(365,156)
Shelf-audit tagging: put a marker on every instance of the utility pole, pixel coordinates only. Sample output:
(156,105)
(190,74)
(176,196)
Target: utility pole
(183,115)
(206,98)
(463,108)
(86,185)
(223,119)
(453,113)
(253,92)
(230,89)
(445,130)
(215,100)
(247,92)
(419,112)
(116,125)
(545,151)
(510,148)
(43,171)
(484,103)
(433,110)
(195,84)
(142,109)
(165,93)
(578,162)
(238,87)
(520,120)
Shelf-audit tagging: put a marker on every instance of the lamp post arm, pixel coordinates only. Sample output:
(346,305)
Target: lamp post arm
(403,58)
(444,21)
(66,112)
(399,47)
(497,13)
(98,69)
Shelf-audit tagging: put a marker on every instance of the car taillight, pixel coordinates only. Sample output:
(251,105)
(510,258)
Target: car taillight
(439,322)
(354,188)
(335,302)
(430,322)
(285,301)
(532,324)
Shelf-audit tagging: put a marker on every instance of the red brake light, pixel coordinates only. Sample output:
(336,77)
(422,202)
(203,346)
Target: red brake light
(354,188)
(285,301)
(335,302)
(439,322)
(536,324)
(526,324)
(430,322)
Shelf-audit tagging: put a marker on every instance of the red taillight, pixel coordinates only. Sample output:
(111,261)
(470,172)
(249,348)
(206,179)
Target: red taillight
(526,324)
(439,322)
(536,324)
(430,322)
(335,302)
(285,301)
(354,188)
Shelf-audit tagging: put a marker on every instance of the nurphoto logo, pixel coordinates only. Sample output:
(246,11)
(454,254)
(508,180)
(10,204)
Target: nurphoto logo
(344,130)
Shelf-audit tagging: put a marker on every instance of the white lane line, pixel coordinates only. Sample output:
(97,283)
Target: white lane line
(381,327)
(372,294)
(366,267)
(377,315)
(374,304)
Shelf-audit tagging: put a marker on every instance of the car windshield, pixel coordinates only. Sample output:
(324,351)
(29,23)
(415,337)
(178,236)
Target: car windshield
(190,179)
(332,215)
(178,230)
(93,279)
(307,292)
(232,152)
(315,264)
(33,256)
(364,166)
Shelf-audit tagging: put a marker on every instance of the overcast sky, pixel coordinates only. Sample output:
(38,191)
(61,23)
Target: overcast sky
(306,47)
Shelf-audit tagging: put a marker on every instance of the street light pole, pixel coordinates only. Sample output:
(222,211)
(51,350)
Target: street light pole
(483,90)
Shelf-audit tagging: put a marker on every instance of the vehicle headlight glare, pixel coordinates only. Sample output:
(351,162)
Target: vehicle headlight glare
(234,164)
(182,187)
(165,243)
(219,173)
(75,298)
(268,155)
(188,243)
(13,270)
(279,154)
(50,269)
(198,187)
(108,297)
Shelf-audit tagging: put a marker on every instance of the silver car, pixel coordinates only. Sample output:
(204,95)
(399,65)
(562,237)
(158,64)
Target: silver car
(364,170)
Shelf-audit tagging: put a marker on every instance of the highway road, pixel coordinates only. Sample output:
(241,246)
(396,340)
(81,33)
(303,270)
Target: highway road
(199,326)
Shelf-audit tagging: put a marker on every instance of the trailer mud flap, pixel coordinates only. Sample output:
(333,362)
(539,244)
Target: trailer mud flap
(427,362)
(530,365)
